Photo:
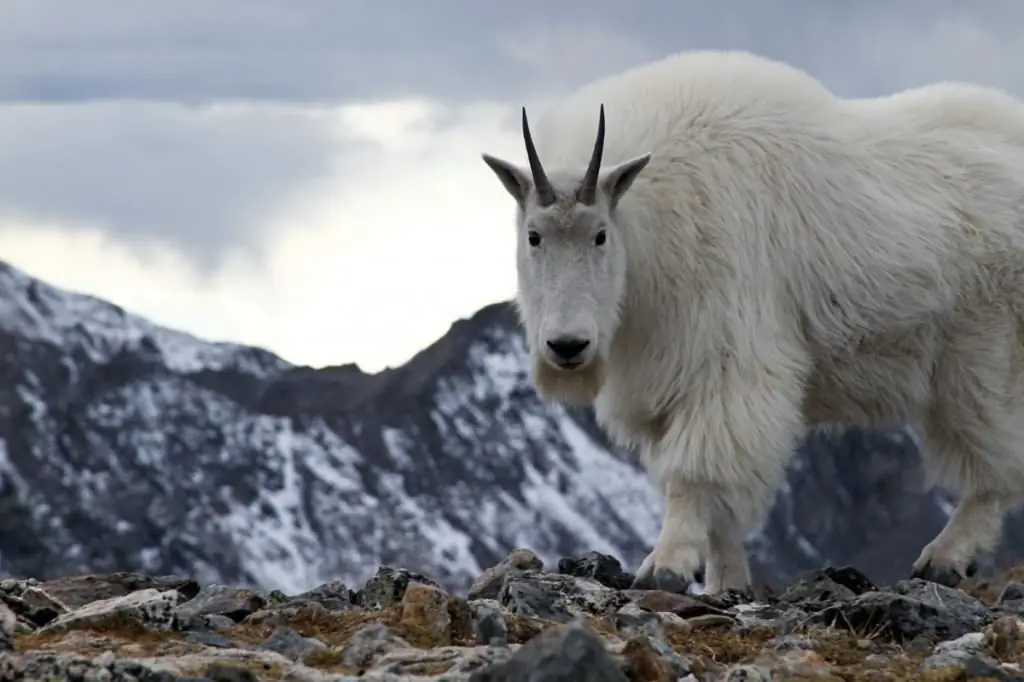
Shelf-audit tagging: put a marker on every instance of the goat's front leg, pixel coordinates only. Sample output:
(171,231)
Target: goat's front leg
(703,526)
(683,545)
(719,468)
(727,565)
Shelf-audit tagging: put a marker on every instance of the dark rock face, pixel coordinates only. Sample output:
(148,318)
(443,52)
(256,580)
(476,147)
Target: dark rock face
(130,447)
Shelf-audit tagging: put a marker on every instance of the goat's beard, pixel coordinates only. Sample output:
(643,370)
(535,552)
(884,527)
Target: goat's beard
(571,387)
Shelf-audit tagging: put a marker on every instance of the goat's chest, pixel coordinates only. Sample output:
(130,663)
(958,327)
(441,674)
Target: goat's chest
(626,413)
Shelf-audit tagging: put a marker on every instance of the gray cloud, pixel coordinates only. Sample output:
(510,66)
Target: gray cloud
(155,169)
(191,50)
(117,159)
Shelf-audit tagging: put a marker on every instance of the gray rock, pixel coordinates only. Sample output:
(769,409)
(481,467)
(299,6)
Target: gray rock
(603,568)
(631,618)
(980,667)
(31,604)
(387,587)
(234,602)
(77,591)
(206,621)
(569,653)
(815,593)
(146,608)
(333,596)
(1013,591)
(558,598)
(780,617)
(490,581)
(956,652)
(291,644)
(747,673)
(212,639)
(370,643)
(489,626)
(915,608)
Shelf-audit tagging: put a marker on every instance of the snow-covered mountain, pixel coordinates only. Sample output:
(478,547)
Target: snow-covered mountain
(128,446)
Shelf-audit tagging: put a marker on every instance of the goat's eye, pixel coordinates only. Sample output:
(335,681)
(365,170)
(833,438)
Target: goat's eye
(533,238)
(599,239)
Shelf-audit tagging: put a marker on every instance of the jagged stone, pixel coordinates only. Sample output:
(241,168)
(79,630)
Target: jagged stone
(555,597)
(567,653)
(77,591)
(914,608)
(333,596)
(388,586)
(490,581)
(219,600)
(603,568)
(148,608)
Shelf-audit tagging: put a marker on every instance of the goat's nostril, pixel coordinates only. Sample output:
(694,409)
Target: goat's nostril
(567,347)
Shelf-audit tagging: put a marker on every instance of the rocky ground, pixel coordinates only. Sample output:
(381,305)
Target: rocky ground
(519,622)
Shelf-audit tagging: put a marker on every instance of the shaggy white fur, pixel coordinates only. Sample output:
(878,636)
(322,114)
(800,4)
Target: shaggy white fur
(760,257)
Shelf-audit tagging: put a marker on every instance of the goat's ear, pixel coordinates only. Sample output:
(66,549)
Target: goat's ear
(514,178)
(616,181)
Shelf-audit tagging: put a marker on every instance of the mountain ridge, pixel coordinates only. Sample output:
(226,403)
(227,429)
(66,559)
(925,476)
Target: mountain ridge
(130,446)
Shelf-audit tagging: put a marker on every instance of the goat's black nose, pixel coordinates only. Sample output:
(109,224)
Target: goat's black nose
(567,347)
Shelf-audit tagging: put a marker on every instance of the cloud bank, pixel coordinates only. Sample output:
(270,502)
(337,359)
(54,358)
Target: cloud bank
(305,174)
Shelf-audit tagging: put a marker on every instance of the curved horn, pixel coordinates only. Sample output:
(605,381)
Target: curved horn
(545,192)
(587,192)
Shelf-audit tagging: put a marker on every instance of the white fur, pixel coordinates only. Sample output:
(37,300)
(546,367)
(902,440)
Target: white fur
(785,259)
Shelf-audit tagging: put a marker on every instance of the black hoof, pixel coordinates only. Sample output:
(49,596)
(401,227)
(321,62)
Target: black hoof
(941,575)
(670,581)
(644,582)
(663,579)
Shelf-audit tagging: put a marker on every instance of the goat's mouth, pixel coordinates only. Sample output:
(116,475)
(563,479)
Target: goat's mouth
(569,365)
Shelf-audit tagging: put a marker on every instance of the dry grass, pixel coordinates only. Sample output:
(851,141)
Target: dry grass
(844,653)
(990,589)
(112,634)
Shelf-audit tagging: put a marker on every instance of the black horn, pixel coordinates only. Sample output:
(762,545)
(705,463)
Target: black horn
(587,193)
(545,192)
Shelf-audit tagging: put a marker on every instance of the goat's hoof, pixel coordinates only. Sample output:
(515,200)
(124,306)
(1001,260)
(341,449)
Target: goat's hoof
(663,579)
(944,575)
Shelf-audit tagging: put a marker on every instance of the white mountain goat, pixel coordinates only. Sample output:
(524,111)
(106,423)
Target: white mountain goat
(758,257)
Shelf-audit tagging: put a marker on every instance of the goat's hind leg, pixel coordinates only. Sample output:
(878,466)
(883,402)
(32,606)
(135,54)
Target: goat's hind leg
(973,440)
(974,527)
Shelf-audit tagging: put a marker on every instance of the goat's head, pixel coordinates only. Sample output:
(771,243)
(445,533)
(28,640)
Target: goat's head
(571,263)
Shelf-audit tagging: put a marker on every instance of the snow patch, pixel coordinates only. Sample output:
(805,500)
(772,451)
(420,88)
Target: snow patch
(65,319)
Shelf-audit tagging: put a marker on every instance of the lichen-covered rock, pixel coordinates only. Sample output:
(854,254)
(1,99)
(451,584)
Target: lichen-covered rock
(490,581)
(603,568)
(148,608)
(387,587)
(578,624)
(555,597)
(221,600)
(567,653)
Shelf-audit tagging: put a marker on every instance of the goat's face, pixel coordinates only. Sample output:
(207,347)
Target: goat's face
(571,264)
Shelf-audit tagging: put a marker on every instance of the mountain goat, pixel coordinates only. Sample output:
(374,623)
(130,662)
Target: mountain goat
(746,256)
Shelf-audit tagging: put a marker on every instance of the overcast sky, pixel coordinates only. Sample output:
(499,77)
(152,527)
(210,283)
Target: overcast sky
(305,174)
